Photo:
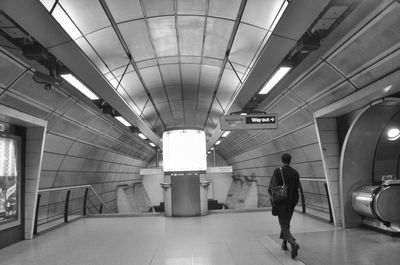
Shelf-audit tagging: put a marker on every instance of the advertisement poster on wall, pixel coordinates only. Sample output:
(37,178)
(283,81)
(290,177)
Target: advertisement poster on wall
(9,181)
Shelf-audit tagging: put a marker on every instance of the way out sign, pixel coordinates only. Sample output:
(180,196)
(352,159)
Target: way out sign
(248,122)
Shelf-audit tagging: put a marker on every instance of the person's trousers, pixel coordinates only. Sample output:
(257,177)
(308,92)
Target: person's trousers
(284,216)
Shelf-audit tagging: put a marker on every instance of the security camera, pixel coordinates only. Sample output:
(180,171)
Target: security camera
(47,80)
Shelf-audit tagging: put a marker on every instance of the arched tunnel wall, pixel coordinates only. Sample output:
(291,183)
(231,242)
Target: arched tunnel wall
(261,159)
(82,145)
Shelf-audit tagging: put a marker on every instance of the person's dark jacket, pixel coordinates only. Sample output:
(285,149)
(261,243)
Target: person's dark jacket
(291,177)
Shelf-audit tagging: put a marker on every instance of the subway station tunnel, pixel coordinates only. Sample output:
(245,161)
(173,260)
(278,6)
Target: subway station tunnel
(185,65)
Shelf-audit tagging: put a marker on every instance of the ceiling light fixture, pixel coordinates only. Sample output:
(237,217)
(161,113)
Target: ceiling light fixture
(153,145)
(393,134)
(123,121)
(218,142)
(225,134)
(278,75)
(80,86)
(141,135)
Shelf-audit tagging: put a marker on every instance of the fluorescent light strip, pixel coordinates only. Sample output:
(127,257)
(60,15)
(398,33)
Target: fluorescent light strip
(152,144)
(278,75)
(225,134)
(218,142)
(141,135)
(123,121)
(78,85)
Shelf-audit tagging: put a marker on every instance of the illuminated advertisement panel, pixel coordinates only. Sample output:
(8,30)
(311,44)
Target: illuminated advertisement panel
(9,182)
(184,150)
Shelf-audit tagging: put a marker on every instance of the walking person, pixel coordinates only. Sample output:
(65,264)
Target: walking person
(286,175)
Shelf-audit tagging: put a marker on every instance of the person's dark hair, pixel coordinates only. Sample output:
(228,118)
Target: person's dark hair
(286,158)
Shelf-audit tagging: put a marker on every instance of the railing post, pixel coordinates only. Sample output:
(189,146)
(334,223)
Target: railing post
(303,201)
(101,209)
(85,201)
(329,203)
(66,206)
(36,214)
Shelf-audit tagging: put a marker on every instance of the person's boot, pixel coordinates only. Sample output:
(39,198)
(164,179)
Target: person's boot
(295,248)
(284,245)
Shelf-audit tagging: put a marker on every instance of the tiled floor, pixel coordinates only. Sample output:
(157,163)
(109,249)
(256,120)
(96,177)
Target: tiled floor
(217,239)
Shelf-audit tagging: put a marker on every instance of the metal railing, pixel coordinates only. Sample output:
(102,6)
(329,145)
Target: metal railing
(59,205)
(314,197)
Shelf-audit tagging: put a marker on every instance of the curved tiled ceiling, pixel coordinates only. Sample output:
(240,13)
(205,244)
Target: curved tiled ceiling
(168,59)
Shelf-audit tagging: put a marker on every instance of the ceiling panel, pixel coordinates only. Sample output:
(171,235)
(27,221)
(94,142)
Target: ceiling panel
(190,93)
(197,7)
(378,70)
(380,37)
(190,117)
(261,13)
(168,60)
(218,34)
(128,99)
(164,108)
(137,38)
(229,84)
(332,95)
(159,127)
(190,74)
(138,95)
(17,102)
(178,114)
(212,62)
(124,9)
(224,8)
(150,114)
(164,35)
(168,118)
(295,120)
(109,48)
(174,93)
(151,77)
(282,106)
(200,118)
(191,59)
(9,70)
(190,29)
(86,21)
(190,105)
(320,79)
(205,96)
(146,63)
(158,95)
(131,83)
(170,74)
(246,44)
(158,8)
(117,73)
(209,78)
(203,106)
(36,94)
